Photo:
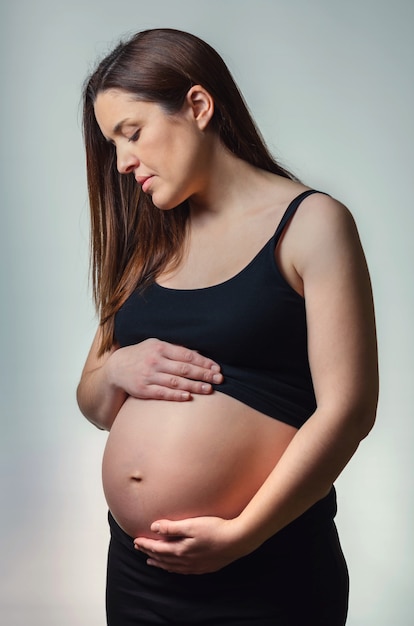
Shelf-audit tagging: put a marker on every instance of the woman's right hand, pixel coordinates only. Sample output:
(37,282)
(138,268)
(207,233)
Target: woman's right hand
(159,370)
(152,369)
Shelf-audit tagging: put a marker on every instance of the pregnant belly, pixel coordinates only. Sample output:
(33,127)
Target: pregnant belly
(173,460)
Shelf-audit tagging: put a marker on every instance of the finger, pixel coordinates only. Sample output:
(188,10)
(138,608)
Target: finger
(145,544)
(178,370)
(187,356)
(170,528)
(165,551)
(160,392)
(178,383)
(195,372)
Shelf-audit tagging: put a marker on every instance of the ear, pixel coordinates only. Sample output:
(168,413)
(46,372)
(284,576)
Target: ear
(201,105)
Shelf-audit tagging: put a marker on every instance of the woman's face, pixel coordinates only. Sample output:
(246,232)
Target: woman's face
(167,153)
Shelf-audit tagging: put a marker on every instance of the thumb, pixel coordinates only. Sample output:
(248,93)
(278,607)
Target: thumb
(169,527)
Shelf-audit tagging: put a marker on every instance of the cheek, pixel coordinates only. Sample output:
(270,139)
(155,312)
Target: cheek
(173,186)
(185,144)
(190,160)
(179,163)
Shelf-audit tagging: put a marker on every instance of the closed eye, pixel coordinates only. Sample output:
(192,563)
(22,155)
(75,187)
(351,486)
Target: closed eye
(135,136)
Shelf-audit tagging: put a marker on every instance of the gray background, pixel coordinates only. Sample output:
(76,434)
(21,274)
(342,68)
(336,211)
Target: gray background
(331,86)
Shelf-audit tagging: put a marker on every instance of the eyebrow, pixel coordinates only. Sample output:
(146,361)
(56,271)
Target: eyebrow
(118,127)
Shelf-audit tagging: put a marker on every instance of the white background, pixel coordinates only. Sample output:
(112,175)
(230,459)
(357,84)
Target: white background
(331,86)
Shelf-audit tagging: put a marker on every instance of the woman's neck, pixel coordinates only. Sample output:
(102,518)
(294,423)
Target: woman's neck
(230,187)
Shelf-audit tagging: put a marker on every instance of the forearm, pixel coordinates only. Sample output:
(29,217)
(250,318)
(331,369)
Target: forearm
(98,398)
(313,460)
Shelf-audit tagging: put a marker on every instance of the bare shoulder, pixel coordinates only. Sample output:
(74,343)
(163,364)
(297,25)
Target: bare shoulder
(323,213)
(323,229)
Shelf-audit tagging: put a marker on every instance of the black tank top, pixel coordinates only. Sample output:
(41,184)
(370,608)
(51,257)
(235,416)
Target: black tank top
(253,325)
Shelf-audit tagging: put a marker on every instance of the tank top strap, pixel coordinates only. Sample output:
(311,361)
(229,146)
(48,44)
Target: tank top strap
(290,211)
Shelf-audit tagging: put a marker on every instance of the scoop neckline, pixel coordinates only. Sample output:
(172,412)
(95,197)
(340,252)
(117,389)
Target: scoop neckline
(223,282)
(298,199)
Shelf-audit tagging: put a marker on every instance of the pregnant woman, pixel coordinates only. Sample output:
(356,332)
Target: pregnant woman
(235,361)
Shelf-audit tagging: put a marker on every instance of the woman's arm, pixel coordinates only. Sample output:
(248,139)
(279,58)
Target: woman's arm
(325,252)
(328,257)
(152,369)
(98,398)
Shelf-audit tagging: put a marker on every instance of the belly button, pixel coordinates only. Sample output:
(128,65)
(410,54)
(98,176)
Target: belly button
(137,477)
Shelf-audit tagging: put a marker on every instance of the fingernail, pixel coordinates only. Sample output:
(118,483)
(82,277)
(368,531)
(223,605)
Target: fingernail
(217,378)
(206,388)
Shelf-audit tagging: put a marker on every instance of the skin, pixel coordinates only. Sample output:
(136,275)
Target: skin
(320,256)
(172,149)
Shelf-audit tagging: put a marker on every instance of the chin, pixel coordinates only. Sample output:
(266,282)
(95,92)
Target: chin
(166,204)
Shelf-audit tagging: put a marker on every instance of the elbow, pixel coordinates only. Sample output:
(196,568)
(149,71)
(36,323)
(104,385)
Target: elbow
(368,412)
(355,421)
(81,400)
(367,422)
(88,411)
(362,410)
(364,417)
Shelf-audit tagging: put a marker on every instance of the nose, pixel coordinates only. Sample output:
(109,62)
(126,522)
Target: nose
(126,161)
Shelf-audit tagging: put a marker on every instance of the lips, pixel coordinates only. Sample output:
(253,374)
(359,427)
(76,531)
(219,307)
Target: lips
(144,181)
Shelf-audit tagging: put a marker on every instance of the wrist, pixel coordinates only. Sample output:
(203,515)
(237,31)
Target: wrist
(246,537)
(112,383)
(111,368)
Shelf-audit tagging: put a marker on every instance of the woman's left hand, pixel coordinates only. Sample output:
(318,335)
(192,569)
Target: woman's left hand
(197,545)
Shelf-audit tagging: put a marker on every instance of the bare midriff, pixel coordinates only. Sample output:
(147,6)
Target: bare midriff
(174,460)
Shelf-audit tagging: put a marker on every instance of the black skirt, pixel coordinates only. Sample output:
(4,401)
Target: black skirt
(297,578)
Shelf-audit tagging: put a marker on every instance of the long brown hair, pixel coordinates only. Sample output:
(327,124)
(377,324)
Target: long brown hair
(132,240)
